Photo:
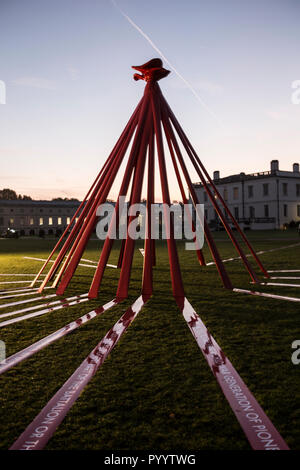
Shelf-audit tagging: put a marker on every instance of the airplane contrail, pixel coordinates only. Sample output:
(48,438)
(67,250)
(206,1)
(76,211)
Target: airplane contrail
(167,61)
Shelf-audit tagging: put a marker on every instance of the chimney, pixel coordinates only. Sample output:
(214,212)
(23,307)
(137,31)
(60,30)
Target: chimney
(274,166)
(216,175)
(296,167)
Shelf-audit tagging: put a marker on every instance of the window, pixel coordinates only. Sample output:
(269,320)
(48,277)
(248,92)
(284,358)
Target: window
(298,211)
(285,189)
(206,213)
(205,196)
(266,210)
(31,221)
(235,193)
(11,221)
(252,212)
(285,210)
(298,190)
(50,221)
(68,220)
(59,222)
(265,189)
(22,221)
(41,221)
(236,212)
(1,221)
(250,191)
(225,194)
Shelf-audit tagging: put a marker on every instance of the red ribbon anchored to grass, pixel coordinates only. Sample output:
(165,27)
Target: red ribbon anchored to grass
(37,434)
(259,430)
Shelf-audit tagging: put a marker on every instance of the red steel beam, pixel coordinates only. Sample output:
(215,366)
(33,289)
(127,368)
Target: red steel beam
(69,226)
(210,241)
(90,221)
(183,195)
(177,125)
(123,191)
(91,207)
(120,259)
(185,143)
(124,280)
(177,285)
(147,285)
(126,134)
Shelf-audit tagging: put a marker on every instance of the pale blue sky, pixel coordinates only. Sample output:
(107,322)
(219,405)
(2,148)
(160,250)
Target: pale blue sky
(66,66)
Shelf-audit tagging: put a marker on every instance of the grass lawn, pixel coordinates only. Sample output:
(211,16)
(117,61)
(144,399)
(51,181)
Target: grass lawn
(156,391)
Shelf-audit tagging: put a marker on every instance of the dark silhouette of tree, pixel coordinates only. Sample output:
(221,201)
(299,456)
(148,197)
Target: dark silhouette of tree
(65,199)
(8,194)
(11,195)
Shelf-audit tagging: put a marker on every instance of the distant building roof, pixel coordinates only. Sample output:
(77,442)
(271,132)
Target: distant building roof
(274,172)
(28,202)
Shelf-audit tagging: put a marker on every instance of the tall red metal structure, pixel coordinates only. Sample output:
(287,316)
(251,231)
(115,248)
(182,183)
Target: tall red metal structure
(144,131)
(150,122)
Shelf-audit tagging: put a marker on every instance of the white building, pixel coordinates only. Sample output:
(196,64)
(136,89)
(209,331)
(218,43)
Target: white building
(36,217)
(260,201)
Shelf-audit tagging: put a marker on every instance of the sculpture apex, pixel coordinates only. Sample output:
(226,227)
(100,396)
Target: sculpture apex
(151,71)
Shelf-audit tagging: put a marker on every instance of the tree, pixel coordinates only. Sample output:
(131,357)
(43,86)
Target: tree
(11,195)
(8,194)
(65,199)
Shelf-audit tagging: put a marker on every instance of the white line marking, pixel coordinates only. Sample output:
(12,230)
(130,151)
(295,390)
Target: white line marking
(95,262)
(80,264)
(19,302)
(287,277)
(263,294)
(26,292)
(42,312)
(48,304)
(258,253)
(15,282)
(18,274)
(285,271)
(240,399)
(142,251)
(279,284)
(74,386)
(37,259)
(18,289)
(19,356)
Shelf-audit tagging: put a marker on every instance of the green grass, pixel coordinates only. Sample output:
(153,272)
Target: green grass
(156,391)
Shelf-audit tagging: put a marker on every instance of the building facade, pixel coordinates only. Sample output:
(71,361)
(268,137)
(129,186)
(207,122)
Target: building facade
(260,201)
(36,217)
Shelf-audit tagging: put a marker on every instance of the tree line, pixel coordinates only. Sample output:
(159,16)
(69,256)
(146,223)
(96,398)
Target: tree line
(11,195)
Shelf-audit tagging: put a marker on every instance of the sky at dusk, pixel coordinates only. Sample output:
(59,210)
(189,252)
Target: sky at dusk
(66,65)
